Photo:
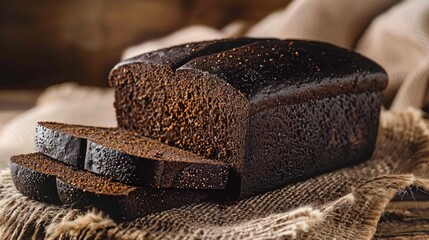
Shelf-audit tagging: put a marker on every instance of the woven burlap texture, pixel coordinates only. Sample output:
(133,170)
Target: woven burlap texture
(345,204)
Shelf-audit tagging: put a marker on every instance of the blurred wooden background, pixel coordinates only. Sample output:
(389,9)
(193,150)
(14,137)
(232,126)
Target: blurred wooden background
(46,42)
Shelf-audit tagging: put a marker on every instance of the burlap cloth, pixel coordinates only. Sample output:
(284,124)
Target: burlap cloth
(345,204)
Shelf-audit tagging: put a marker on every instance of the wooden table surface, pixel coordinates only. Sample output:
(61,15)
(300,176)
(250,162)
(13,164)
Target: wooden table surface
(405,217)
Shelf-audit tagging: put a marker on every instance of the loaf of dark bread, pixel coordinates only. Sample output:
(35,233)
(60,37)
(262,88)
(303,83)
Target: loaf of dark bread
(42,178)
(278,110)
(128,158)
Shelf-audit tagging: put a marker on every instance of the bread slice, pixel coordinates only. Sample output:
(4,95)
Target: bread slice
(129,158)
(279,111)
(42,178)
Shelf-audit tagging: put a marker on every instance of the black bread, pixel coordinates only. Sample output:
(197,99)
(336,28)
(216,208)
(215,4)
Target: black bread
(278,110)
(128,158)
(42,178)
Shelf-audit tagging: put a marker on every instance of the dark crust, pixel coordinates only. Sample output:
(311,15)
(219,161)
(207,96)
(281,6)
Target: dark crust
(270,72)
(37,186)
(63,147)
(312,138)
(160,174)
(176,56)
(67,185)
(43,164)
(274,73)
(160,166)
(134,205)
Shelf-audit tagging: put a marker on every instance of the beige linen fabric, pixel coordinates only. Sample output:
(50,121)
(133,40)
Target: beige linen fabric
(340,22)
(63,103)
(399,40)
(345,204)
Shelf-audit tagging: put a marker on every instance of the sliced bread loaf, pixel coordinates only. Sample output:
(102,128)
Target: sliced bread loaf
(129,158)
(278,110)
(42,178)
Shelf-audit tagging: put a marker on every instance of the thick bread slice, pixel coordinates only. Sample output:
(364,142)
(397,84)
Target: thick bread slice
(42,178)
(129,158)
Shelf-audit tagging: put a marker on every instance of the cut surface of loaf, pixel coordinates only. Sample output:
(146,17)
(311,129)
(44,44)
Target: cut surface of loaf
(128,158)
(42,178)
(278,110)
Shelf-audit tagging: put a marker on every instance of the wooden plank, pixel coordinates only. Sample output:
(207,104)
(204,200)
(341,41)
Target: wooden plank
(405,217)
